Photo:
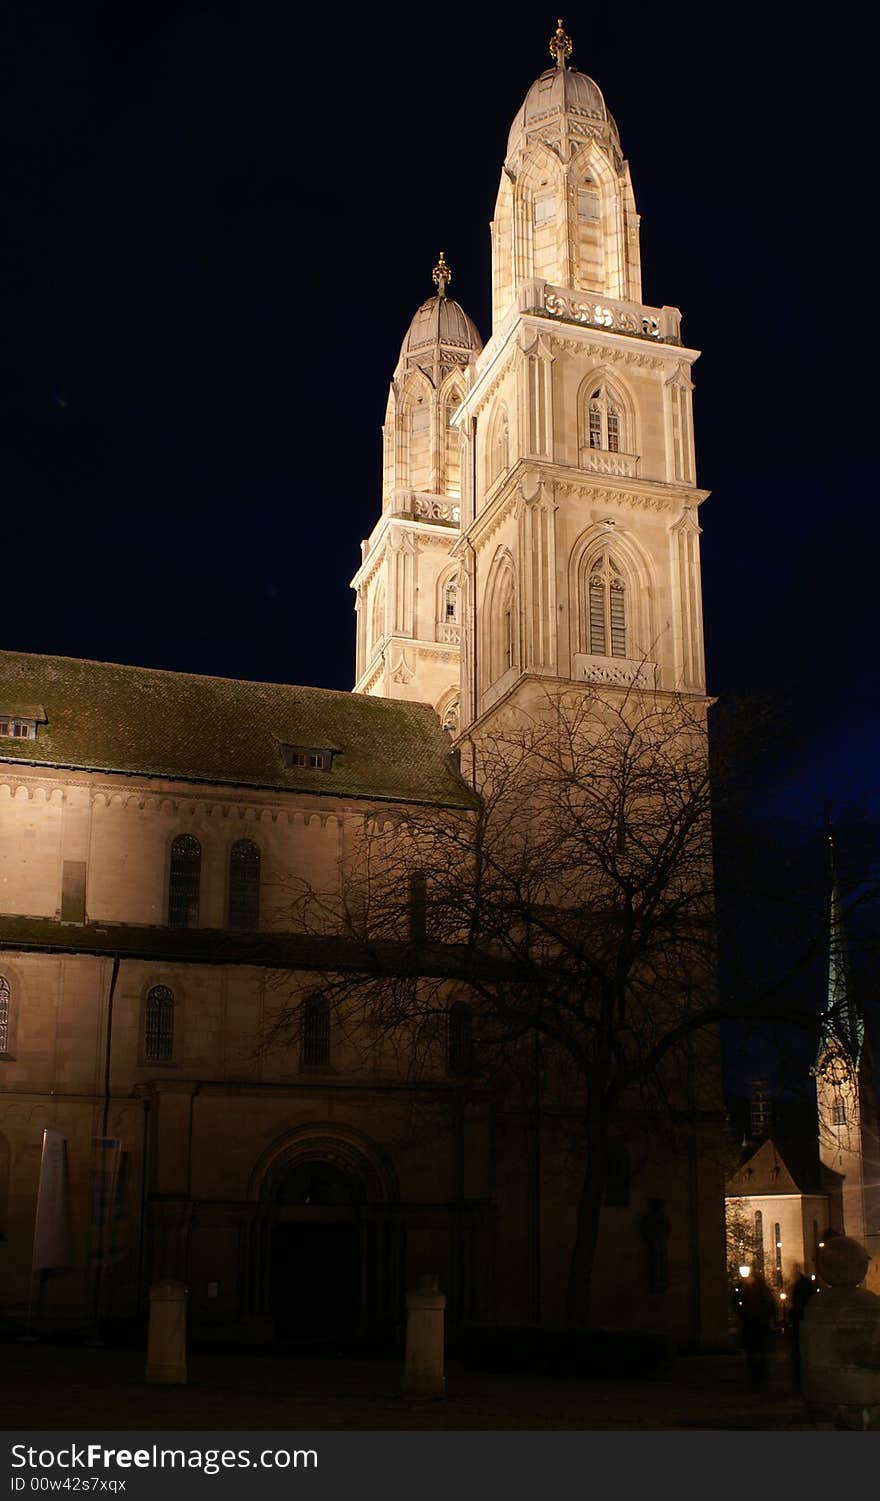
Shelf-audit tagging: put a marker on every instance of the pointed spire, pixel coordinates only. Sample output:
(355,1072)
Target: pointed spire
(442,275)
(842,1024)
(561,45)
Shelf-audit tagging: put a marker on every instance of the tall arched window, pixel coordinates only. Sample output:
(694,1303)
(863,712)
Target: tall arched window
(759,1242)
(244,884)
(459,1040)
(500,649)
(4,1014)
(159,1025)
(316,1033)
(450,602)
(378,617)
(607,609)
(499,446)
(606,421)
(183,887)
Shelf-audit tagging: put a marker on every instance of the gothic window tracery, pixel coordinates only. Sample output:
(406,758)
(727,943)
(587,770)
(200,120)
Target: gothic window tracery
(607,608)
(159,1025)
(605,421)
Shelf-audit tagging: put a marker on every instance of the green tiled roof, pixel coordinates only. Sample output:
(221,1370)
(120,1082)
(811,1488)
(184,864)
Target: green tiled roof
(140,720)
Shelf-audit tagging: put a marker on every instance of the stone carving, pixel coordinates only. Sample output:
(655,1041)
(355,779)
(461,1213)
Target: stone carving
(614,672)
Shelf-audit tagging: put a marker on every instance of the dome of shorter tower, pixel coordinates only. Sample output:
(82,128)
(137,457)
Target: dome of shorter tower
(439,320)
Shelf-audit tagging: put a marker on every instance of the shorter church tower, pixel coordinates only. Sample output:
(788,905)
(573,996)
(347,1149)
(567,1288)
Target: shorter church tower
(849,1143)
(407,588)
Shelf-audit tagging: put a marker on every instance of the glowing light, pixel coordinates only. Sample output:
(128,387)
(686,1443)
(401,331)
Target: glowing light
(783,1296)
(812,1276)
(744,1271)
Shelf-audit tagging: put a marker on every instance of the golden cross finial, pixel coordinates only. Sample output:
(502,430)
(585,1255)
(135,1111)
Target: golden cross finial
(561,45)
(442,275)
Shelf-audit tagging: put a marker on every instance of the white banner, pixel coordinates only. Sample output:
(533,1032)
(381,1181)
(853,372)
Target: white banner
(51,1230)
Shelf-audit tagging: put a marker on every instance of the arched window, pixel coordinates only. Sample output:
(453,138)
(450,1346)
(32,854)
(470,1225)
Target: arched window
(500,649)
(4,1014)
(316,1033)
(459,1040)
(759,1242)
(378,619)
(499,446)
(607,609)
(159,1025)
(183,887)
(244,884)
(605,421)
(450,718)
(450,602)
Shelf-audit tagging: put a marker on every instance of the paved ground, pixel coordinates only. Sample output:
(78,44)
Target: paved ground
(74,1387)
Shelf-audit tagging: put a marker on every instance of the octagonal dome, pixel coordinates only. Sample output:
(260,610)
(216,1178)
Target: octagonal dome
(559,92)
(439,320)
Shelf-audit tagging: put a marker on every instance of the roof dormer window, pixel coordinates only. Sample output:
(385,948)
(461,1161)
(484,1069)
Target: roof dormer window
(19,721)
(17,729)
(312,758)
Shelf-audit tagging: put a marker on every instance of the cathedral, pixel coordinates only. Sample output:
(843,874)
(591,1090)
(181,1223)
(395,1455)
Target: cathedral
(538,531)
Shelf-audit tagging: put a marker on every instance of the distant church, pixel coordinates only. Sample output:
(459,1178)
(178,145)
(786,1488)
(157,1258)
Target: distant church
(787,1196)
(538,530)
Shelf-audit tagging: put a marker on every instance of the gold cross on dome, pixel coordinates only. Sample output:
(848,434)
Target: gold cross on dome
(442,275)
(561,45)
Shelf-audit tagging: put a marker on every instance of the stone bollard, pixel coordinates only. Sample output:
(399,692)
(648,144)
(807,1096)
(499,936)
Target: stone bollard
(166,1339)
(423,1369)
(840,1341)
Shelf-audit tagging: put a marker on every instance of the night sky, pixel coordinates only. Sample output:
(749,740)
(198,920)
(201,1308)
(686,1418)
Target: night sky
(219,221)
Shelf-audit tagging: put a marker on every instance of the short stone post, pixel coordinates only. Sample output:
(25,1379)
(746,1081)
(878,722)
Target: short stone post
(166,1339)
(840,1341)
(425,1318)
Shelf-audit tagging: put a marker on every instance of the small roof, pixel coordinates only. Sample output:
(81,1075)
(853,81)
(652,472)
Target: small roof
(765,1172)
(103,716)
(556,93)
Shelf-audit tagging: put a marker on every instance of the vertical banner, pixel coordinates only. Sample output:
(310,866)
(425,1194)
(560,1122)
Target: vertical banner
(107,1201)
(51,1227)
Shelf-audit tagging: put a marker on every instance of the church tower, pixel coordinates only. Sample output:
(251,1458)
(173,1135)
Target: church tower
(579,553)
(849,1144)
(407,591)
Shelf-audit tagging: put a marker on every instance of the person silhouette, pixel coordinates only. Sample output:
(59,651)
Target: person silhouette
(755,1307)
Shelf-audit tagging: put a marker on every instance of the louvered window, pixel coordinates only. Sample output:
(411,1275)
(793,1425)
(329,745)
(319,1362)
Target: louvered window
(159,1025)
(607,607)
(244,884)
(183,889)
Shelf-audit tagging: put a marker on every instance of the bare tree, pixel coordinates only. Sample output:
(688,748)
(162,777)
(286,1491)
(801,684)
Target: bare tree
(570,906)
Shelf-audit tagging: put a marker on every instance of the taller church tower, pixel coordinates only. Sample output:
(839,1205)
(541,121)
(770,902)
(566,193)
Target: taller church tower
(580,542)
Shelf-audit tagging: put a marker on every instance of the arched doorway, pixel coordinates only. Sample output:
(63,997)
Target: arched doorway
(316,1253)
(327,1246)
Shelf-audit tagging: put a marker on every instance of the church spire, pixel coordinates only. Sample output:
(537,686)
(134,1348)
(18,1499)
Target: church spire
(842,1023)
(561,45)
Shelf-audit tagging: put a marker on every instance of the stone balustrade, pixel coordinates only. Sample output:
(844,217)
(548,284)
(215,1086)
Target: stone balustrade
(663,325)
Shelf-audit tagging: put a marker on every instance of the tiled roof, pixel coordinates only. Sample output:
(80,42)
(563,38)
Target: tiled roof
(176,725)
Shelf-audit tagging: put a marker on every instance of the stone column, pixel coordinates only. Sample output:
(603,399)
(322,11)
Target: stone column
(166,1340)
(425,1317)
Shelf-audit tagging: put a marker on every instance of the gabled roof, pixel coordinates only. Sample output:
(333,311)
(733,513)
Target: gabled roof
(144,721)
(765,1172)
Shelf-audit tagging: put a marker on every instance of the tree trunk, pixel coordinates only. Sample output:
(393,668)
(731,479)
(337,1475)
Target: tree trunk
(583,1255)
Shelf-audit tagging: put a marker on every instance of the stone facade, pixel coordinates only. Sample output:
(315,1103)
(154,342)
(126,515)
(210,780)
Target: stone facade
(538,527)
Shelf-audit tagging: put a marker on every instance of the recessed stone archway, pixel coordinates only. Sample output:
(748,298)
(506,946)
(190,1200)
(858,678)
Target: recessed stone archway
(328,1238)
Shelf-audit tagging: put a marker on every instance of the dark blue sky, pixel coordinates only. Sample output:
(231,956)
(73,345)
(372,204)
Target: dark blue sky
(219,220)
